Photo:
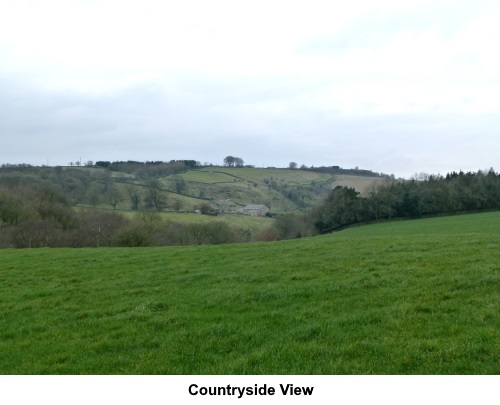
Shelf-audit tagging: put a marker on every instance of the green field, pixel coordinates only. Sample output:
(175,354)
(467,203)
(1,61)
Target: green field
(282,190)
(408,297)
(272,187)
(239,221)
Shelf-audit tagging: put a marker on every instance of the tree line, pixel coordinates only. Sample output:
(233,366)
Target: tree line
(41,216)
(42,207)
(423,195)
(96,187)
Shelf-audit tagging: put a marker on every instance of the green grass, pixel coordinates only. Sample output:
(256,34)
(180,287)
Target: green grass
(252,186)
(244,186)
(230,174)
(359,183)
(237,221)
(207,176)
(288,176)
(408,297)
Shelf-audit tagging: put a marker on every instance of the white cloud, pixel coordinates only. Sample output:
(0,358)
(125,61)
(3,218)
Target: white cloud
(331,81)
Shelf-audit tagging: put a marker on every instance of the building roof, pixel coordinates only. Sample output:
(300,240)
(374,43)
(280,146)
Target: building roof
(255,207)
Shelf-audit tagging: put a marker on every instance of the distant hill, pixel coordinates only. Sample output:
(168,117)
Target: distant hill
(185,185)
(282,190)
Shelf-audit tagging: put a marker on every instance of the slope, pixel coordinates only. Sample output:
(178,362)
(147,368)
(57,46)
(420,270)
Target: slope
(410,297)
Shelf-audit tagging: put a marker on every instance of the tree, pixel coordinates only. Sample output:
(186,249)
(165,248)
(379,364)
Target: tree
(178,204)
(218,232)
(342,207)
(94,193)
(239,162)
(381,200)
(36,233)
(16,205)
(135,196)
(292,165)
(58,212)
(134,236)
(291,226)
(179,184)
(206,209)
(156,197)
(113,196)
(98,228)
(231,161)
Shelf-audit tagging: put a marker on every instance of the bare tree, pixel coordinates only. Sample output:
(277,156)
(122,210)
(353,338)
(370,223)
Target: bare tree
(114,196)
(135,196)
(94,193)
(156,198)
(36,233)
(97,228)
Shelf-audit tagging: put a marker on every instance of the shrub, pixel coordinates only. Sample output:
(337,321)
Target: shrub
(135,236)
(267,235)
(97,228)
(36,233)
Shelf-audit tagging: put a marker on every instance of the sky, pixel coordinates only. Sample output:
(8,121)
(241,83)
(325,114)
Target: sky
(398,87)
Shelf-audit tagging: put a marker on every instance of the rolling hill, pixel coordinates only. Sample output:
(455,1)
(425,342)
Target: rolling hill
(407,297)
(184,185)
(282,190)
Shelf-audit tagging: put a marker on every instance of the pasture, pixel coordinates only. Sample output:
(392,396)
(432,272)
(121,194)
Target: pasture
(282,190)
(407,297)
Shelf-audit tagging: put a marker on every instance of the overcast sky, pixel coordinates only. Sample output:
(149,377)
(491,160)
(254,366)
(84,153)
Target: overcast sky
(399,87)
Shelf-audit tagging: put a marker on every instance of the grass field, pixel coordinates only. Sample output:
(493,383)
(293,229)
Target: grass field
(207,176)
(408,297)
(239,221)
(229,174)
(283,190)
(359,183)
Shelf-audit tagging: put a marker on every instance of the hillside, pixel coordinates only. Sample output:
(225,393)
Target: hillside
(183,186)
(180,203)
(408,297)
(154,203)
(282,190)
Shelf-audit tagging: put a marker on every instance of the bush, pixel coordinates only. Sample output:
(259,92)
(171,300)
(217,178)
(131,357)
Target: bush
(96,228)
(135,236)
(267,235)
(36,233)
(206,209)
(293,226)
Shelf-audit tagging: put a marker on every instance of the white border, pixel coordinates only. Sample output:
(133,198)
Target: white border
(123,390)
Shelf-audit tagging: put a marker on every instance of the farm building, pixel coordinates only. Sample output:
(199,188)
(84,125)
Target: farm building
(255,210)
(224,206)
